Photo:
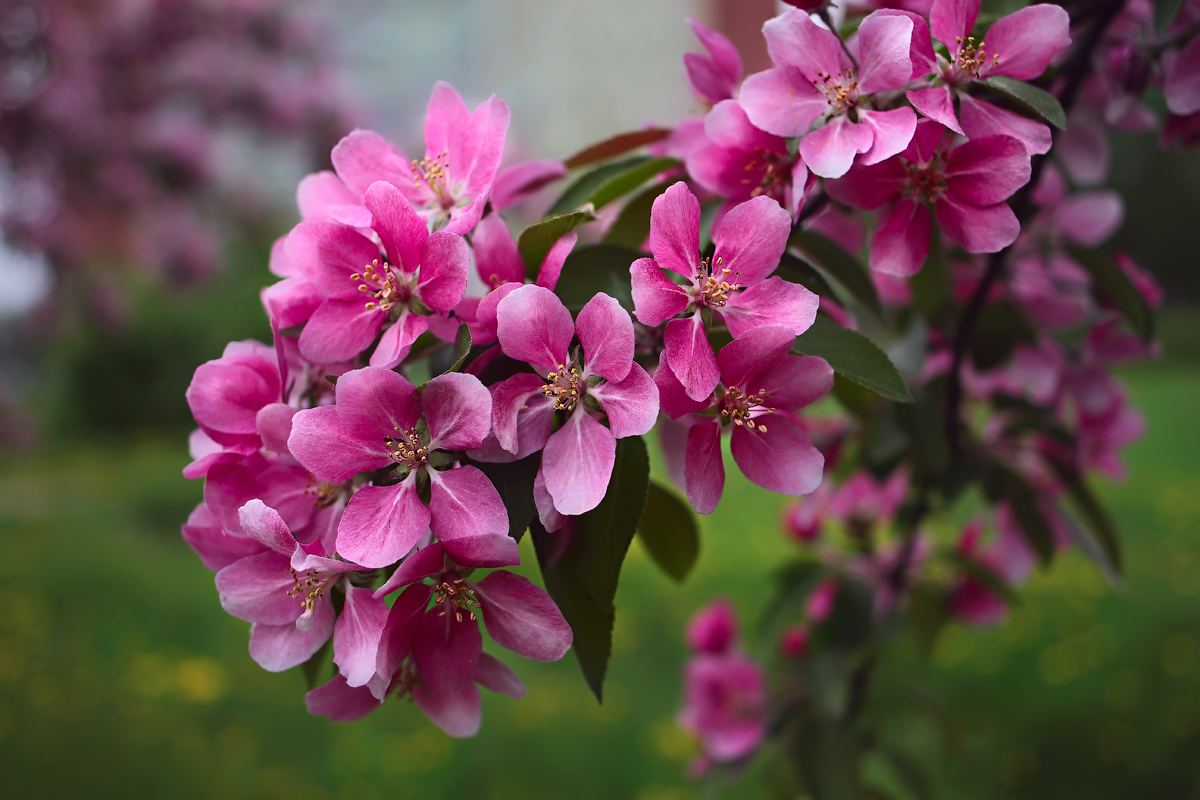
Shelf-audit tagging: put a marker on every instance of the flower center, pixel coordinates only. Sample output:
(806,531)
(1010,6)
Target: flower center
(971,57)
(742,408)
(324,493)
(380,283)
(776,174)
(841,90)
(407,448)
(712,288)
(435,174)
(924,181)
(307,587)
(562,386)
(459,596)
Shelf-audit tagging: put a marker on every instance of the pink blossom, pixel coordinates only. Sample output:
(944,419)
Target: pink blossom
(713,77)
(819,604)
(713,629)
(535,327)
(1009,559)
(815,82)
(1019,45)
(757,378)
(794,642)
(749,242)
(1182,83)
(228,394)
(375,427)
(524,179)
(863,499)
(967,186)
(724,704)
(802,519)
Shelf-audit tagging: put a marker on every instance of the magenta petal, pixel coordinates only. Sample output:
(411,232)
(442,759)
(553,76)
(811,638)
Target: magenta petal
(883,45)
(830,150)
(795,381)
(445,261)
(951,19)
(772,302)
(1182,85)
(522,617)
(263,523)
(893,130)
(373,402)
(216,547)
(457,713)
(556,257)
(497,259)
(704,472)
(400,629)
(339,330)
(578,461)
(606,333)
(399,227)
(483,329)
(447,119)
(631,404)
(534,326)
(463,220)
(279,647)
(780,458)
(1026,40)
(256,589)
(494,674)
(447,650)
(484,552)
(547,514)
(901,244)
(225,398)
(356,635)
(339,702)
(274,424)
(513,184)
(782,102)
(728,126)
(937,103)
(1084,150)
(655,297)
(382,523)
(981,119)
(291,301)
(419,565)
(708,83)
(397,340)
(320,190)
(986,171)
(675,230)
(484,146)
(869,187)
(795,40)
(673,399)
(750,239)
(752,354)
(465,503)
(458,409)
(691,356)
(978,230)
(509,399)
(327,254)
(363,157)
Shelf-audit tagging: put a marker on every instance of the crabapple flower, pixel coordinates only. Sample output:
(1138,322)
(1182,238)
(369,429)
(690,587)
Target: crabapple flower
(228,396)
(601,382)
(1009,559)
(1019,46)
(967,186)
(815,82)
(713,629)
(449,187)
(713,77)
(749,242)
(819,604)
(758,377)
(803,518)
(366,287)
(383,424)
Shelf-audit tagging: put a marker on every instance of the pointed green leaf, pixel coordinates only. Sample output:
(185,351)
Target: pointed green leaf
(1039,101)
(312,667)
(1030,516)
(598,268)
(616,145)
(668,531)
(625,182)
(853,356)
(583,187)
(796,270)
(538,238)
(999,329)
(838,264)
(514,482)
(462,348)
(632,225)
(1100,525)
(1115,284)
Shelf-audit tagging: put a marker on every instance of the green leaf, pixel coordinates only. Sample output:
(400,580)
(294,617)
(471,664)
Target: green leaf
(632,225)
(462,348)
(538,238)
(999,329)
(989,579)
(583,580)
(622,184)
(580,189)
(796,270)
(1039,101)
(923,423)
(616,145)
(598,268)
(606,183)
(1098,521)
(312,667)
(1115,284)
(1028,512)
(840,265)
(668,531)
(1165,12)
(854,356)
(514,483)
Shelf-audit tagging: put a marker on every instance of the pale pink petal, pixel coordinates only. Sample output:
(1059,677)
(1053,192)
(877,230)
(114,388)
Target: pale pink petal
(509,398)
(483,552)
(675,230)
(513,184)
(920,52)
(400,630)
(483,147)
(830,150)
(691,356)
(256,589)
(447,119)
(578,461)
(494,674)
(704,472)
(724,53)
(547,514)
(291,301)
(937,103)
(772,302)
(497,259)
(556,257)
(400,229)
(339,702)
(373,402)
(869,187)
(465,503)
(363,157)
(673,399)
(216,547)
(279,647)
(534,326)
(655,297)
(952,19)
(1182,86)
(901,244)
(457,713)
(978,230)
(1084,150)
(327,450)
(780,458)
(263,523)
(980,119)
(382,523)
(631,404)
(795,40)
(884,61)
(1026,40)
(274,424)
(339,330)
(707,82)
(320,190)
(356,635)
(1089,218)
(782,101)
(397,341)
(750,239)
(606,333)
(483,329)
(458,409)
(445,261)
(753,354)
(728,126)
(893,130)
(522,617)
(464,219)
(986,171)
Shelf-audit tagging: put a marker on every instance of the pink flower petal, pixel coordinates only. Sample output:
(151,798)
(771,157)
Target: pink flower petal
(497,259)
(263,523)
(400,630)
(673,399)
(556,257)
(494,674)
(893,130)
(921,48)
(830,150)
(483,146)
(256,589)
(1182,86)
(1026,40)
(327,254)
(901,244)
(631,404)
(606,333)
(279,647)
(457,713)
(400,229)
(417,566)
(382,523)
(216,547)
(339,330)
(511,397)
(655,297)
(339,702)
(458,409)
(869,187)
(978,230)
(884,61)
(445,261)
(465,503)
(782,101)
(291,301)
(795,40)
(578,461)
(704,472)
(952,19)
(356,635)
(372,403)
(397,340)
(483,552)
(986,171)
(772,302)
(937,103)
(780,458)
(447,119)
(1084,150)
(534,326)
(728,126)
(691,356)
(675,230)
(447,650)
(363,157)
(753,354)
(794,381)
(981,119)
(320,190)
(274,424)
(1089,218)
(513,184)
(483,329)
(750,239)
(522,617)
